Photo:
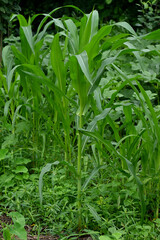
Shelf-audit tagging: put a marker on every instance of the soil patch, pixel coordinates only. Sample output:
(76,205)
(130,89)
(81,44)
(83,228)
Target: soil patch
(7,220)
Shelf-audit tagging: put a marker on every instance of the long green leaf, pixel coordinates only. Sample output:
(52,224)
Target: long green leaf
(89,25)
(10,77)
(79,83)
(21,19)
(46,16)
(155,35)
(152,111)
(83,63)
(6,107)
(93,47)
(73,35)
(19,55)
(28,34)
(57,62)
(127,27)
(94,23)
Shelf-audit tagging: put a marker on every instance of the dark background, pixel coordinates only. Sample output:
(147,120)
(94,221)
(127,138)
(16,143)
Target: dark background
(117,10)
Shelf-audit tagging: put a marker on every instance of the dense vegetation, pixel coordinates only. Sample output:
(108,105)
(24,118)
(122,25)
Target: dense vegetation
(80,134)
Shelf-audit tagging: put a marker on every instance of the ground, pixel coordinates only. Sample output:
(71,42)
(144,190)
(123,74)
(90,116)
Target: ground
(6,220)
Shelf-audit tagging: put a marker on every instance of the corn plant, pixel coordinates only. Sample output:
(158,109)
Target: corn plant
(86,72)
(63,70)
(27,52)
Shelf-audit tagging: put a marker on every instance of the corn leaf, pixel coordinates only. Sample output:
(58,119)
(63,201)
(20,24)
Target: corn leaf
(19,55)
(28,34)
(83,63)
(155,35)
(58,63)
(73,35)
(127,27)
(93,47)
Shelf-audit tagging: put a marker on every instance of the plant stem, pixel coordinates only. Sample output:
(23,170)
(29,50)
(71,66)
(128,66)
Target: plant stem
(67,147)
(79,174)
(157,201)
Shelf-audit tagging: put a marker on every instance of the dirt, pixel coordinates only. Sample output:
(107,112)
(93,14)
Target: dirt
(7,220)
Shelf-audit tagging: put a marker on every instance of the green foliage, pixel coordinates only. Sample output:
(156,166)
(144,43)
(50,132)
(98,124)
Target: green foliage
(17,229)
(148,19)
(6,9)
